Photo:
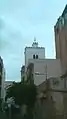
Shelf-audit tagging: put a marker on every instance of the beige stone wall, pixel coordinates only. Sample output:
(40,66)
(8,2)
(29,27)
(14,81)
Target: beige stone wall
(45,67)
(56,97)
(57,44)
(45,109)
(58,101)
(59,96)
(61,46)
(54,105)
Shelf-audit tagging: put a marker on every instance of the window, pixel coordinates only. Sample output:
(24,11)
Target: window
(36,56)
(33,56)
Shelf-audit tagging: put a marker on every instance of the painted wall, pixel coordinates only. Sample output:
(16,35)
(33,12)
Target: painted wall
(30,51)
(45,67)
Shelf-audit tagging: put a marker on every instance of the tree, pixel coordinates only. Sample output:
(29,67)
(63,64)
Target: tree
(1,100)
(30,79)
(23,93)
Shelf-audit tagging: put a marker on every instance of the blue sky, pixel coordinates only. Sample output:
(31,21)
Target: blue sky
(20,21)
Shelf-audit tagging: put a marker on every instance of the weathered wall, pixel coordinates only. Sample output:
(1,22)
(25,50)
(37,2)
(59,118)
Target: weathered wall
(45,67)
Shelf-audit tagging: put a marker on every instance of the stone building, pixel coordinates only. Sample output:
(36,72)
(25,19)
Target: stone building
(34,52)
(43,68)
(22,72)
(61,39)
(52,95)
(2,78)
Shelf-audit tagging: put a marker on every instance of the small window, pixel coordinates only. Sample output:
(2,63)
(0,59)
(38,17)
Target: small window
(33,56)
(36,56)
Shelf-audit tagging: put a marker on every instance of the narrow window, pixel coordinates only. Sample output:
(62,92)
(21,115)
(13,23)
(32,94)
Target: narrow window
(33,56)
(36,56)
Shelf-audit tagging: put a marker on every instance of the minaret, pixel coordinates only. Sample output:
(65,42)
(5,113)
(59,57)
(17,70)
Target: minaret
(34,52)
(35,44)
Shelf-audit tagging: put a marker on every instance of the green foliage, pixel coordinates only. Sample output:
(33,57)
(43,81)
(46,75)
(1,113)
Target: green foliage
(22,93)
(1,104)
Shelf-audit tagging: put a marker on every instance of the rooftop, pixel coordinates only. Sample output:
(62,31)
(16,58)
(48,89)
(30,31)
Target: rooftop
(64,11)
(35,44)
(62,16)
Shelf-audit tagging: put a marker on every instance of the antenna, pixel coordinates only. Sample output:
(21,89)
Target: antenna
(34,39)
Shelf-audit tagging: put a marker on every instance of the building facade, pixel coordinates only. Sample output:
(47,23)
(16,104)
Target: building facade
(53,90)
(58,93)
(39,65)
(1,70)
(22,72)
(3,84)
(45,68)
(61,39)
(34,52)
(2,78)
(7,84)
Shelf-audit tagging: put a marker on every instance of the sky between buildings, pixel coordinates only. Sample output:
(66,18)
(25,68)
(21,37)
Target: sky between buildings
(20,21)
